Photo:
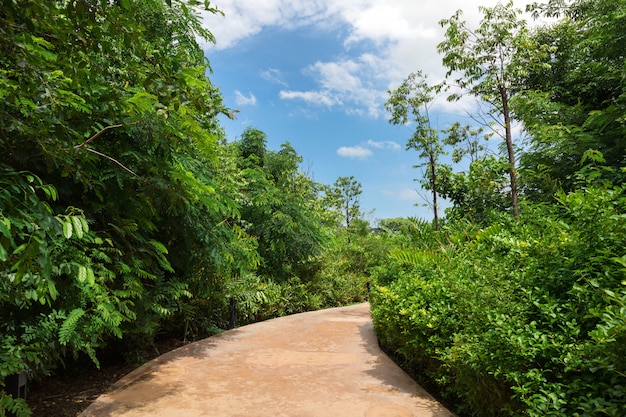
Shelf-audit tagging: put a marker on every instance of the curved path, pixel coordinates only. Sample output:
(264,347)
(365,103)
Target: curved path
(320,364)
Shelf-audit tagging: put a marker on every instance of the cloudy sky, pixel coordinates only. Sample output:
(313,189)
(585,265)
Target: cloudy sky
(315,73)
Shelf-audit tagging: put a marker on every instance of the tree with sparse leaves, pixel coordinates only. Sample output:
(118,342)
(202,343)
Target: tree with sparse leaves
(411,102)
(490,62)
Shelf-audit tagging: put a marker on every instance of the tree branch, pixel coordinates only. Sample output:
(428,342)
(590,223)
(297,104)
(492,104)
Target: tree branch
(96,135)
(110,159)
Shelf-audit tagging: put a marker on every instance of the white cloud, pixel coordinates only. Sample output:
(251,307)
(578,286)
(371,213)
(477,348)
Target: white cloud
(364,150)
(354,152)
(274,76)
(311,97)
(408,194)
(351,83)
(401,35)
(337,76)
(243,100)
(404,194)
(243,18)
(387,144)
(386,21)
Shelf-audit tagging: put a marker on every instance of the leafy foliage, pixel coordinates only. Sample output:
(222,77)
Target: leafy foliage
(577,102)
(109,176)
(480,193)
(519,318)
(524,317)
(124,213)
(278,208)
(343,197)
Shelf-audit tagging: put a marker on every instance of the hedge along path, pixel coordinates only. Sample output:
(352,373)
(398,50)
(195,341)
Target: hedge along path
(319,364)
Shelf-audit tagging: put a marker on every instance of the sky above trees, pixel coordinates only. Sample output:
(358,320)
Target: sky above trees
(316,74)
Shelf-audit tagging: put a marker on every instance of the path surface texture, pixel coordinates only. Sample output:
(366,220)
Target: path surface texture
(319,364)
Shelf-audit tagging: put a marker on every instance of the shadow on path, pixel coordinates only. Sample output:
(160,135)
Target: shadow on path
(319,364)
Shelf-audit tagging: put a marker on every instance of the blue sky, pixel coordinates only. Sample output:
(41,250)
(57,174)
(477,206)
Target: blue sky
(315,73)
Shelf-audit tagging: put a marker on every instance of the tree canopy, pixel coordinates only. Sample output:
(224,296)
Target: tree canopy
(125,212)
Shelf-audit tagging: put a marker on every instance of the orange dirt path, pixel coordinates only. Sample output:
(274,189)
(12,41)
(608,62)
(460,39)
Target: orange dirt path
(319,364)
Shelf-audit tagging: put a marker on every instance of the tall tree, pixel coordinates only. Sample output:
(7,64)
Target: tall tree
(253,146)
(278,207)
(489,63)
(345,196)
(411,102)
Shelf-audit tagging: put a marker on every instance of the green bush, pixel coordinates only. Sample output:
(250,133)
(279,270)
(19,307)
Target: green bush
(522,318)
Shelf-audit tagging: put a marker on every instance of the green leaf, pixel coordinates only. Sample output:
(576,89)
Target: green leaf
(68,328)
(82,273)
(67,229)
(50,191)
(621,261)
(39,47)
(42,42)
(20,248)
(78,226)
(5,227)
(141,103)
(84,224)
(91,278)
(158,246)
(52,290)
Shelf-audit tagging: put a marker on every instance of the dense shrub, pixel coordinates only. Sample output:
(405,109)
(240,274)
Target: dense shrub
(520,318)
(341,278)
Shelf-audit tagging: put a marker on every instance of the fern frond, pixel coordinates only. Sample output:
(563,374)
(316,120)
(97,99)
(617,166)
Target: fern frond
(420,258)
(68,328)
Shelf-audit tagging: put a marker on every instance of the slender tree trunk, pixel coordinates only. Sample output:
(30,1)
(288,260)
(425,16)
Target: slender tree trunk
(508,137)
(433,182)
(348,220)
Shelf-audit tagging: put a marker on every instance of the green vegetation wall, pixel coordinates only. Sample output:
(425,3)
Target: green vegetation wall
(114,216)
(525,315)
(125,213)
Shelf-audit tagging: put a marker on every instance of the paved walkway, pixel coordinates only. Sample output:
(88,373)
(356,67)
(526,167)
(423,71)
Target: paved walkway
(319,364)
